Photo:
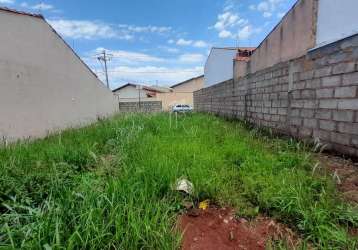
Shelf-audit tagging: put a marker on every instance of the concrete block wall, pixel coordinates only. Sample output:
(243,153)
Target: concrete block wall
(314,96)
(146,107)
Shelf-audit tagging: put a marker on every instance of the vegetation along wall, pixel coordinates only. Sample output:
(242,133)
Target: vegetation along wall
(313,96)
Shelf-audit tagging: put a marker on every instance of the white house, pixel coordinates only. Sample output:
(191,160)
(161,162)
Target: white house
(220,63)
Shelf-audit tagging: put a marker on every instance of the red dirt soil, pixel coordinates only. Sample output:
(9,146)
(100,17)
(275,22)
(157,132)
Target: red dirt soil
(346,175)
(218,229)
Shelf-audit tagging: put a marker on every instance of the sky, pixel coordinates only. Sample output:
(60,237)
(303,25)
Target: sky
(156,42)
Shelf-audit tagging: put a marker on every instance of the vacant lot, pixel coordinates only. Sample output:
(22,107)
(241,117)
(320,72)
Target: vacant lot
(110,185)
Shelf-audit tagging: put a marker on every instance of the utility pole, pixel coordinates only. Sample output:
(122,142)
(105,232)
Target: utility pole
(105,58)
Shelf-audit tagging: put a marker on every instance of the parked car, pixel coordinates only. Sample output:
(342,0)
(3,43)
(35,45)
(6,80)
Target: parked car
(182,108)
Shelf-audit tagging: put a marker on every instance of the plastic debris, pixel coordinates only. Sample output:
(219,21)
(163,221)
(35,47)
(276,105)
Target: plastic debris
(204,204)
(185,186)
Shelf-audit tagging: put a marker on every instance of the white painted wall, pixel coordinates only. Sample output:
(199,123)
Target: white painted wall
(44,87)
(337,19)
(219,66)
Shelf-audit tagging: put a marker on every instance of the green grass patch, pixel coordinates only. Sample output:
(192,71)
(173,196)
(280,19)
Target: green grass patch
(109,185)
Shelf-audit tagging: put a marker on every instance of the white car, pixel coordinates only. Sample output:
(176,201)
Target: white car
(182,108)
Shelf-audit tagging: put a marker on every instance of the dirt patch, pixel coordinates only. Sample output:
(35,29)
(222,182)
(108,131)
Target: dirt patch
(218,228)
(345,173)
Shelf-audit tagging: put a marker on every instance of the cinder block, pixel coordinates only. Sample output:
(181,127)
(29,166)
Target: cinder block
(349,43)
(305,132)
(344,67)
(325,71)
(322,134)
(327,125)
(310,104)
(324,93)
(282,111)
(296,94)
(324,114)
(307,113)
(331,81)
(355,141)
(350,79)
(313,83)
(340,138)
(348,104)
(283,95)
(297,103)
(348,128)
(307,75)
(345,92)
(308,94)
(328,104)
(299,85)
(296,121)
(310,123)
(294,112)
(343,116)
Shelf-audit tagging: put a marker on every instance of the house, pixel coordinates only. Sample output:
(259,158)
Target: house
(181,93)
(131,92)
(220,62)
(44,84)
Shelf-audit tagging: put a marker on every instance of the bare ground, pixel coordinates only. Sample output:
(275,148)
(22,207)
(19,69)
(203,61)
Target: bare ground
(218,228)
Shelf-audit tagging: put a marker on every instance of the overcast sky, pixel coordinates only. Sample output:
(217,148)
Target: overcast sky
(156,41)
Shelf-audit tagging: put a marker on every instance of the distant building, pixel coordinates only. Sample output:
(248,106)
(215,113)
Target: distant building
(220,63)
(310,24)
(138,93)
(181,93)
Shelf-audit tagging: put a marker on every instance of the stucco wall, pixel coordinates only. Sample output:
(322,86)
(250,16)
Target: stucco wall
(336,20)
(44,87)
(219,65)
(290,39)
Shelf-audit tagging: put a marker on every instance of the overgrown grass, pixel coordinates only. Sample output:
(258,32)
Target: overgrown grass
(109,186)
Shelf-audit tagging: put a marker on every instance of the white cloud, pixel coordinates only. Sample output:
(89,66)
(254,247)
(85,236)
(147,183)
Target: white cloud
(191,58)
(169,49)
(183,42)
(245,32)
(7,1)
(200,44)
(197,44)
(267,14)
(225,34)
(129,57)
(149,75)
(228,20)
(128,66)
(39,7)
(263,6)
(229,25)
(146,29)
(42,6)
(85,29)
(267,7)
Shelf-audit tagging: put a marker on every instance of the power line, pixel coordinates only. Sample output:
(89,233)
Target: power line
(105,58)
